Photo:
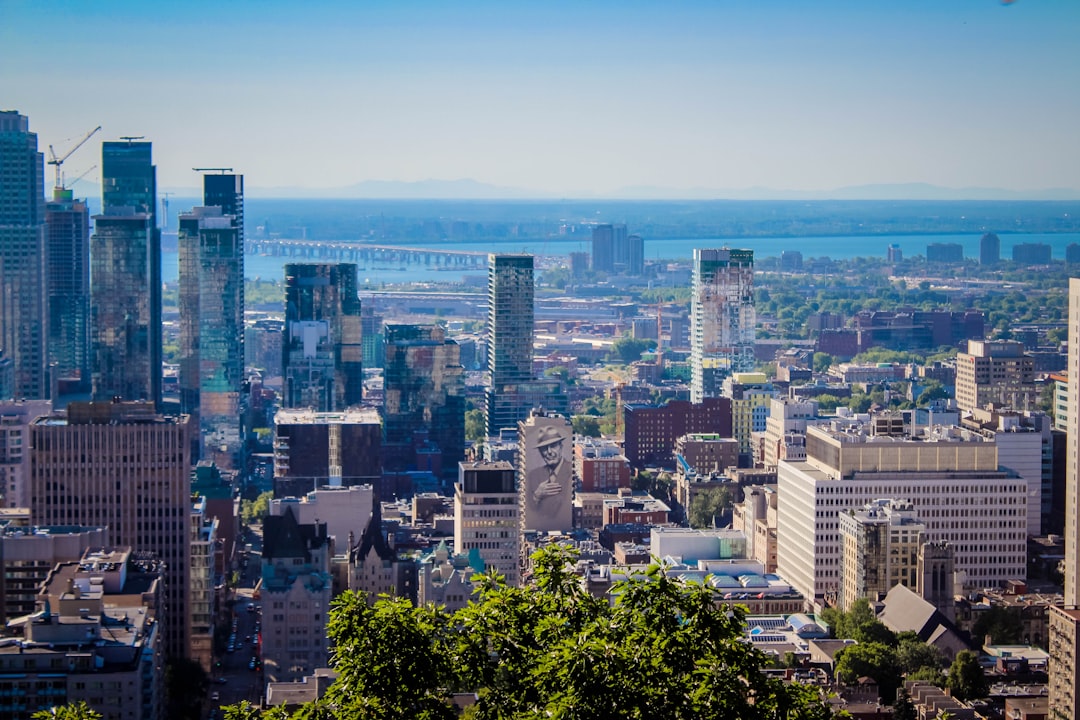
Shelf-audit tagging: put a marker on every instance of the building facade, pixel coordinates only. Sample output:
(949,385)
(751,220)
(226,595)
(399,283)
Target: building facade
(211,257)
(989,249)
(67,269)
(423,394)
(22,245)
(123,466)
(881,545)
(545,473)
(322,351)
(15,419)
(722,318)
(950,476)
(314,449)
(487,516)
(998,372)
(125,278)
(650,431)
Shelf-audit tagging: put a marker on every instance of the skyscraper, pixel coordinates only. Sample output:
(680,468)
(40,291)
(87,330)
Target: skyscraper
(513,392)
(67,270)
(133,476)
(22,256)
(989,249)
(125,276)
(722,318)
(1064,622)
(603,248)
(322,354)
(212,327)
(424,392)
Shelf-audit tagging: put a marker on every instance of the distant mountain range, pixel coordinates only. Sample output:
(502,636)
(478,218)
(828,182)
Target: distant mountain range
(468,189)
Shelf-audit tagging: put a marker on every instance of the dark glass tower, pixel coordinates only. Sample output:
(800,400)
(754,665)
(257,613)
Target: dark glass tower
(67,258)
(424,392)
(125,275)
(322,354)
(22,257)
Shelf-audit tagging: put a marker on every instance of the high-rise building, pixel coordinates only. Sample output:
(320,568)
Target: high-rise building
(423,393)
(67,270)
(1064,666)
(1072,253)
(133,476)
(15,420)
(371,334)
(989,249)
(944,252)
(998,372)
(513,392)
(211,257)
(322,352)
(125,278)
(651,431)
(603,248)
(546,473)
(487,517)
(315,449)
(1032,253)
(880,549)
(952,477)
(894,253)
(722,318)
(22,244)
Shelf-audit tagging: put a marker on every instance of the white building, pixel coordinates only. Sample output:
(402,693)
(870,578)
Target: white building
(486,516)
(689,546)
(950,476)
(343,510)
(15,419)
(785,429)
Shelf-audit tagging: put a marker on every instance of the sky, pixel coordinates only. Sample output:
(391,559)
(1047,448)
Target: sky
(568,98)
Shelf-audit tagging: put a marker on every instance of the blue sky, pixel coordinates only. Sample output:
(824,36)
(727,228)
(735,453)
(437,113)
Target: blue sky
(562,97)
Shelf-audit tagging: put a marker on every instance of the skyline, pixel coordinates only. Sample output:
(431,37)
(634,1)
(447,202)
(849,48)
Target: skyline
(559,99)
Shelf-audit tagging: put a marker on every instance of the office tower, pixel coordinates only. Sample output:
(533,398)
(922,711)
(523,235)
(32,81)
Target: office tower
(880,549)
(791,261)
(894,253)
(989,249)
(1072,253)
(15,419)
(579,264)
(486,516)
(945,252)
(722,318)
(952,478)
(211,257)
(998,372)
(513,392)
(296,589)
(315,449)
(22,257)
(322,352)
(423,394)
(603,248)
(133,476)
(67,269)
(125,278)
(751,397)
(634,254)
(546,473)
(371,334)
(1064,665)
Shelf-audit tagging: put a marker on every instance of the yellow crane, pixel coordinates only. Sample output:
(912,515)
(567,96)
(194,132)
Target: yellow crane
(58,161)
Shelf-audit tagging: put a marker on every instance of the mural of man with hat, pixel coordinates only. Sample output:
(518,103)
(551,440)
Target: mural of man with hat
(548,485)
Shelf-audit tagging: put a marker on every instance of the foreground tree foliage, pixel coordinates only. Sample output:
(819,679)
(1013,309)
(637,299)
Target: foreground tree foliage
(663,649)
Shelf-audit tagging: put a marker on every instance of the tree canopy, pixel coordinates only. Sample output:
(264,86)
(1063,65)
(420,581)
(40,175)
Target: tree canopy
(663,648)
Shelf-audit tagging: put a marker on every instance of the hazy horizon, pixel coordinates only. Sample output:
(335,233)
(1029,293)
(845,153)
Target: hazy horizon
(604,99)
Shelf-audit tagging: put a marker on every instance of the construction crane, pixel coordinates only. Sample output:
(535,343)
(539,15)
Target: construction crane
(60,161)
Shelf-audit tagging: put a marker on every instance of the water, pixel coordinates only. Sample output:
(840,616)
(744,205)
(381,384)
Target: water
(836,247)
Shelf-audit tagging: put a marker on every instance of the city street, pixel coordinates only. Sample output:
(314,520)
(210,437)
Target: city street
(241,682)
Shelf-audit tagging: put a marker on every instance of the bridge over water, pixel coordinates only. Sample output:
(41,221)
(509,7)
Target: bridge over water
(364,253)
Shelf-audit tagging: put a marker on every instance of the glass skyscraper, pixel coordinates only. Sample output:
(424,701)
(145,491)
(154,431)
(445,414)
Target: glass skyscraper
(513,392)
(67,270)
(22,257)
(125,274)
(722,319)
(211,257)
(322,353)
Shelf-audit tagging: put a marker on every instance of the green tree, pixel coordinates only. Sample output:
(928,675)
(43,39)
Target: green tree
(912,655)
(1001,624)
(822,361)
(76,711)
(252,511)
(904,708)
(587,425)
(966,680)
(475,429)
(186,684)
(927,674)
(553,650)
(873,660)
(629,349)
(706,505)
